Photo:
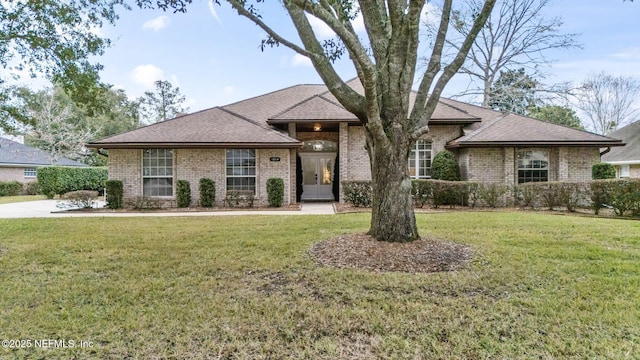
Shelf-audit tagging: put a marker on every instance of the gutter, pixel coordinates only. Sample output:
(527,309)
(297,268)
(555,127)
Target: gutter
(605,151)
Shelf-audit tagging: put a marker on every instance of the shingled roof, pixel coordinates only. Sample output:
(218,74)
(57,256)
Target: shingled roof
(515,130)
(630,154)
(215,127)
(16,154)
(247,123)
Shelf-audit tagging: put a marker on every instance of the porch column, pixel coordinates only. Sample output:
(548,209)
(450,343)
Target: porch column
(343,147)
(292,166)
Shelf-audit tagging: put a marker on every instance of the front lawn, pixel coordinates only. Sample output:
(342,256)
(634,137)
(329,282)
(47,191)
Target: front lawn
(20,198)
(236,287)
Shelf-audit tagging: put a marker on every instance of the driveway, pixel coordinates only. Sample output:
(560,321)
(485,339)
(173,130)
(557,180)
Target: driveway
(48,209)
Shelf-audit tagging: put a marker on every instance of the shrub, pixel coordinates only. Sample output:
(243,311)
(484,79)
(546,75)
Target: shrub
(275,192)
(422,192)
(449,193)
(10,188)
(445,167)
(490,194)
(357,193)
(143,203)
(207,192)
(31,188)
(473,194)
(624,195)
(526,194)
(84,199)
(57,180)
(115,192)
(183,193)
(603,171)
(600,194)
(236,198)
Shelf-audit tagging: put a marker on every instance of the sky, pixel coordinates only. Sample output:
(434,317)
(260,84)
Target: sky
(214,57)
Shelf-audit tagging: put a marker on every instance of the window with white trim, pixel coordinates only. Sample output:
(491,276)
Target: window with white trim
(241,170)
(157,172)
(420,160)
(533,166)
(30,172)
(624,171)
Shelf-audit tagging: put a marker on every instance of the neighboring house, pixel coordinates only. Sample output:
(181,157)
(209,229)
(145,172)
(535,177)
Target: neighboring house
(20,162)
(627,158)
(304,136)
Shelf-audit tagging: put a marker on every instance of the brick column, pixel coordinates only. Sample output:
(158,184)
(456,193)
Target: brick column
(343,148)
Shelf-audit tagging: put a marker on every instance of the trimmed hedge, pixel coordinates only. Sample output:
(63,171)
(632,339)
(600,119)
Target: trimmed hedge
(57,180)
(10,188)
(603,171)
(183,193)
(115,191)
(207,192)
(275,192)
(623,195)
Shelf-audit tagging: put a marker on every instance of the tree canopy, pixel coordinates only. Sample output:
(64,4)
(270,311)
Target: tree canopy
(55,39)
(386,60)
(164,103)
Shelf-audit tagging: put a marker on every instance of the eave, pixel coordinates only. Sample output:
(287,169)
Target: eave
(493,144)
(169,145)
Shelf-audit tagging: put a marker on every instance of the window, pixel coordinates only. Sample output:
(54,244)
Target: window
(30,172)
(420,160)
(624,171)
(157,172)
(533,166)
(241,169)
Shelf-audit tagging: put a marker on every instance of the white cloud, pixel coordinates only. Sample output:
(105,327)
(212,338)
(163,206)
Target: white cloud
(431,15)
(229,90)
(146,75)
(631,54)
(156,24)
(213,11)
(322,30)
(300,60)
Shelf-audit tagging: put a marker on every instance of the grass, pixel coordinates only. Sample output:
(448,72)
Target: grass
(20,198)
(540,286)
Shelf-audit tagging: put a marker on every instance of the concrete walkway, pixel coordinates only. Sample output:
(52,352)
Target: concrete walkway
(48,209)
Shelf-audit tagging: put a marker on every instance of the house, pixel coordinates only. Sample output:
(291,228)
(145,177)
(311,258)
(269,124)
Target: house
(19,162)
(304,136)
(626,159)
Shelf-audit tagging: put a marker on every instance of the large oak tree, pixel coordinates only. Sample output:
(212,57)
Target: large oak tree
(386,62)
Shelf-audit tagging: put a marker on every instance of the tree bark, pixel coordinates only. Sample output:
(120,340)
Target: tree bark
(392,216)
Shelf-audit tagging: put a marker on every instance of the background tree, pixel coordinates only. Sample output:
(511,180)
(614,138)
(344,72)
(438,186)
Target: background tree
(54,38)
(556,114)
(513,91)
(58,125)
(164,103)
(386,61)
(607,101)
(61,127)
(517,35)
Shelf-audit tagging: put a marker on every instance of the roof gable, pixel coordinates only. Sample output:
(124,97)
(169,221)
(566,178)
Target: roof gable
(630,153)
(315,108)
(15,153)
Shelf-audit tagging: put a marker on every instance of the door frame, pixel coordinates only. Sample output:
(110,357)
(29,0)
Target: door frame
(327,193)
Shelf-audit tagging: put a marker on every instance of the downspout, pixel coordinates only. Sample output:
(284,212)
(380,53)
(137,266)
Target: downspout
(605,151)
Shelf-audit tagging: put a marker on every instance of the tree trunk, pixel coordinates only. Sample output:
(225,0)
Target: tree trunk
(392,216)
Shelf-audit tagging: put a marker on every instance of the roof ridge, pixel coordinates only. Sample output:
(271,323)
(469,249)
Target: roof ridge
(270,93)
(263,126)
(293,106)
(482,129)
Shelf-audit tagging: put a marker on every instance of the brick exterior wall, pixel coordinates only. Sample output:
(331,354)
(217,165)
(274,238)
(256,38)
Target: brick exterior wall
(498,165)
(194,164)
(14,174)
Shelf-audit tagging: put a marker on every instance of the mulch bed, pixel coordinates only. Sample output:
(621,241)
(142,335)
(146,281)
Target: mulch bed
(363,252)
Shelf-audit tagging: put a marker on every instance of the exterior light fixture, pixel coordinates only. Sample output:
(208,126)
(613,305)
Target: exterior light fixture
(317,127)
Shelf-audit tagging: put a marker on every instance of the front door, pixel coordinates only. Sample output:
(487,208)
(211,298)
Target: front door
(317,176)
